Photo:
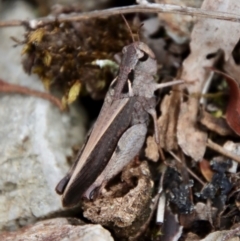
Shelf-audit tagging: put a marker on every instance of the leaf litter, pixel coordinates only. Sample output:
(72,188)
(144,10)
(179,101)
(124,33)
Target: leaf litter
(197,177)
(187,127)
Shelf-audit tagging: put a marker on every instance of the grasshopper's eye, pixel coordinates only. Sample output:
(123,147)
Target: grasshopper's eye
(145,49)
(144,57)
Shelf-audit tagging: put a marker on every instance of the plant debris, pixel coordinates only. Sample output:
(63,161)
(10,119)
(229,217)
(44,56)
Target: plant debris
(66,56)
(192,174)
(124,207)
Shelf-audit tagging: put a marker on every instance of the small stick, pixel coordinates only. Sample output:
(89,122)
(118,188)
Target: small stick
(223,151)
(209,211)
(138,32)
(13,88)
(161,200)
(161,208)
(142,8)
(162,156)
(189,171)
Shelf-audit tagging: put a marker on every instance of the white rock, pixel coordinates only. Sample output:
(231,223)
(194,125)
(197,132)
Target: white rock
(59,229)
(35,138)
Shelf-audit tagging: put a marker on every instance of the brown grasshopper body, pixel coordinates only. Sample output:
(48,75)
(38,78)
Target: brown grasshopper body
(120,130)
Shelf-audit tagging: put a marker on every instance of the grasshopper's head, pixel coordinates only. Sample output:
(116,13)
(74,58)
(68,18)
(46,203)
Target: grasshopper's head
(142,59)
(143,51)
(146,59)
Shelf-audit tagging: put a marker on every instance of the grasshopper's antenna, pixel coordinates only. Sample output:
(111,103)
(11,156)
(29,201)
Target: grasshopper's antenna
(125,20)
(139,31)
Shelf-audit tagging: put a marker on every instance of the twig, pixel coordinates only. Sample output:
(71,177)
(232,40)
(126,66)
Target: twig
(161,208)
(13,88)
(221,150)
(209,211)
(189,170)
(144,7)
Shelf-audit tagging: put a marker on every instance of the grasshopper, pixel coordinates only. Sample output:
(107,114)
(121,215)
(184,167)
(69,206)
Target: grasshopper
(120,129)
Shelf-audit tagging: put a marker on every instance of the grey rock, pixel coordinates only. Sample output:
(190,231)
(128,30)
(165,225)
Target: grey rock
(59,229)
(35,138)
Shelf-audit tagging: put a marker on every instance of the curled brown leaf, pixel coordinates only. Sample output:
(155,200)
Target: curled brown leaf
(233,107)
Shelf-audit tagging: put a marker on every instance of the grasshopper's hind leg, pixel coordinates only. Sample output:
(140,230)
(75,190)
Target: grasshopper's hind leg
(127,148)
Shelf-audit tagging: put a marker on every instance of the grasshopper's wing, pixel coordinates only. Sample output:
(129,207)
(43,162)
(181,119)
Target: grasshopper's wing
(99,148)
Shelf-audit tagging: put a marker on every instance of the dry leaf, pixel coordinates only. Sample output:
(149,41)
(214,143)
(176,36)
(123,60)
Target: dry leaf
(208,36)
(168,120)
(74,92)
(191,139)
(218,125)
(151,150)
(179,26)
(206,170)
(232,69)
(233,107)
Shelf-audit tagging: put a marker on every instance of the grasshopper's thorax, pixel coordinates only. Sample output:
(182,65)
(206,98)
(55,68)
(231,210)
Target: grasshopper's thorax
(146,68)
